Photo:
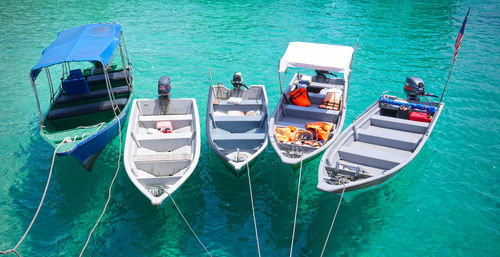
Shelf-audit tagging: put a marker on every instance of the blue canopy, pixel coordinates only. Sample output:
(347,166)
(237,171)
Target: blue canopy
(91,42)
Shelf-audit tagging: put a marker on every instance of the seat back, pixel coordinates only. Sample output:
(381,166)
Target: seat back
(75,83)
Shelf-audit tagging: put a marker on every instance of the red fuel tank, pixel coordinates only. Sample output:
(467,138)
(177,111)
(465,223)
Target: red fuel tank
(420,116)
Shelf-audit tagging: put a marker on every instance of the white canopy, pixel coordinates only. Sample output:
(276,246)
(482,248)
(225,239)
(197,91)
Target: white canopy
(317,56)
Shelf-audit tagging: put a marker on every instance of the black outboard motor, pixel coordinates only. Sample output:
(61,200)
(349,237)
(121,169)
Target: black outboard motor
(321,76)
(164,87)
(238,81)
(414,88)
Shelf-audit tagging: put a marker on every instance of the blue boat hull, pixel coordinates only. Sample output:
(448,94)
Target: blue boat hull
(87,151)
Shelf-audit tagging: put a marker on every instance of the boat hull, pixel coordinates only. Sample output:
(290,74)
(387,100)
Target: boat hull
(254,99)
(159,163)
(371,142)
(87,151)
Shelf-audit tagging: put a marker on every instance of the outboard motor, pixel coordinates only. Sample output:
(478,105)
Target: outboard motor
(237,81)
(164,88)
(321,76)
(414,88)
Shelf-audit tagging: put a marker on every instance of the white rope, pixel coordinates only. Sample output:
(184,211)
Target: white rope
(14,250)
(110,186)
(187,223)
(92,126)
(253,209)
(98,125)
(296,208)
(115,107)
(333,221)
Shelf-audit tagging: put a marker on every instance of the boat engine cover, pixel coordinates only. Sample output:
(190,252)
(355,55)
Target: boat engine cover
(414,88)
(237,81)
(164,86)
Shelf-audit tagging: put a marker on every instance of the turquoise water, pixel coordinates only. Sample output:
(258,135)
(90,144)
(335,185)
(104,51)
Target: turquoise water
(446,202)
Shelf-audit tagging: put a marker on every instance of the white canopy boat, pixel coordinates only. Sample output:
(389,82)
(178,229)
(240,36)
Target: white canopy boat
(162,147)
(380,142)
(288,127)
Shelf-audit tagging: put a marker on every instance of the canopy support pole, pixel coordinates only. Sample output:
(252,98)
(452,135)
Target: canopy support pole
(129,64)
(51,87)
(37,102)
(126,51)
(129,83)
(279,77)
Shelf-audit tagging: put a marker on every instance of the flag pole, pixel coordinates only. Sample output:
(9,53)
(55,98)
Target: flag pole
(457,48)
(449,75)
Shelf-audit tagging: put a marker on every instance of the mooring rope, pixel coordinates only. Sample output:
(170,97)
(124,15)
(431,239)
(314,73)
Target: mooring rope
(110,186)
(113,104)
(333,221)
(14,250)
(253,209)
(187,223)
(296,208)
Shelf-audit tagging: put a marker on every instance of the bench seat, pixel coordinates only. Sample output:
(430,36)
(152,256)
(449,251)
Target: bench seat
(113,77)
(244,102)
(238,136)
(65,99)
(78,110)
(399,124)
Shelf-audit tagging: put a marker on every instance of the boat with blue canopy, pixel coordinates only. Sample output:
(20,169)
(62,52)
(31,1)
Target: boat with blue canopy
(89,102)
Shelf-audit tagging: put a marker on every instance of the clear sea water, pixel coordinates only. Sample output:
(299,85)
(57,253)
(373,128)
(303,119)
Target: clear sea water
(446,202)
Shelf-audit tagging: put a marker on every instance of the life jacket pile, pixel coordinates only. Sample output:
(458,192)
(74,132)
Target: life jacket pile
(299,97)
(286,134)
(321,129)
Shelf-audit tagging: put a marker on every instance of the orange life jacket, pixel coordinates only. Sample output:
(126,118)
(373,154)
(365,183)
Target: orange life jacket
(321,129)
(286,134)
(299,97)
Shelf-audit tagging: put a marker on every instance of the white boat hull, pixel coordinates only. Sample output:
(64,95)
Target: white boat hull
(159,163)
